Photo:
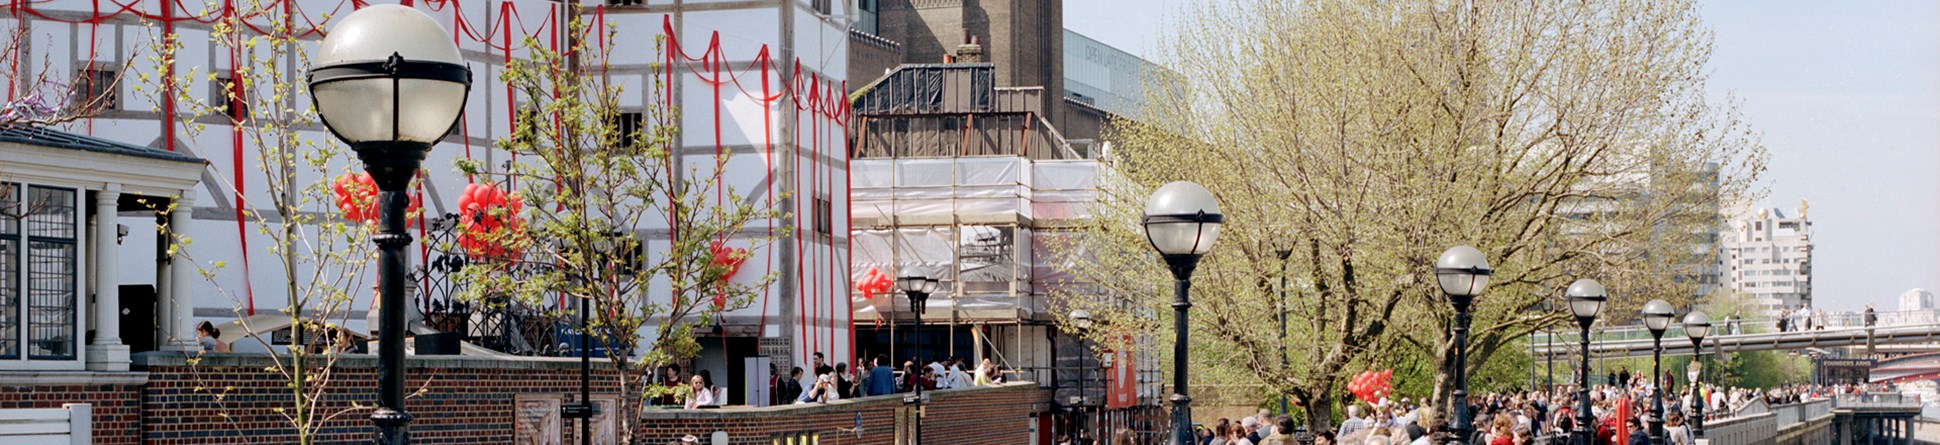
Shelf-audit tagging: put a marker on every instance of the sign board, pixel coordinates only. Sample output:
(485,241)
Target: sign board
(535,419)
(1123,377)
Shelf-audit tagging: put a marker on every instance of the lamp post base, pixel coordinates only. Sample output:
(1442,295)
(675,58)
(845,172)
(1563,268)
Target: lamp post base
(391,427)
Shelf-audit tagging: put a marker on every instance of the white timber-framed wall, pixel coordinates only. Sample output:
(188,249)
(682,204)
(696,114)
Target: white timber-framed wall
(776,147)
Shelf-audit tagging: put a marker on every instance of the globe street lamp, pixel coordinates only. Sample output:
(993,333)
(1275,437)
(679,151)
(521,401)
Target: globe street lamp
(1462,272)
(1181,221)
(1585,298)
(1657,317)
(1081,320)
(388,81)
(918,288)
(1697,325)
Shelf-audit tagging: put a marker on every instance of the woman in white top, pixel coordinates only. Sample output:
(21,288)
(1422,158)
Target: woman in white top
(985,371)
(823,391)
(1675,432)
(702,395)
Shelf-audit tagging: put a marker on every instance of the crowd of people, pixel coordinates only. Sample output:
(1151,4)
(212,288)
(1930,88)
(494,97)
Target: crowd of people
(822,382)
(1622,414)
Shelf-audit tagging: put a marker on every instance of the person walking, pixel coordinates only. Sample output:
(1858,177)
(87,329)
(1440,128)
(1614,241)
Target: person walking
(882,381)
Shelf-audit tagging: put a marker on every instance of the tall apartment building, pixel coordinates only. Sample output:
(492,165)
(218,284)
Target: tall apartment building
(1768,256)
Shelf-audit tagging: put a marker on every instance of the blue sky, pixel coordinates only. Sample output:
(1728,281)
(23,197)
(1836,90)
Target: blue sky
(1846,96)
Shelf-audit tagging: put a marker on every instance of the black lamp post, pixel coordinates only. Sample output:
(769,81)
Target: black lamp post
(1081,321)
(1181,221)
(1657,317)
(1697,325)
(1463,273)
(918,289)
(1285,363)
(389,81)
(1585,298)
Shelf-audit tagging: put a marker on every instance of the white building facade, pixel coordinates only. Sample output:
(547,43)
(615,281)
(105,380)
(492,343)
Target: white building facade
(763,81)
(1768,255)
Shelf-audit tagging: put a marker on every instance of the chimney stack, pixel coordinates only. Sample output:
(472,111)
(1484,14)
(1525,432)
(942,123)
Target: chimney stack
(970,51)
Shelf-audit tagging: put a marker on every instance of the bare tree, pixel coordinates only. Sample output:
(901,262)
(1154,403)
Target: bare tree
(1350,142)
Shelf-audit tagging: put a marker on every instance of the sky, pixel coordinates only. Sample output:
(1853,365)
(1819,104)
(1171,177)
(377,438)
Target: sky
(1845,96)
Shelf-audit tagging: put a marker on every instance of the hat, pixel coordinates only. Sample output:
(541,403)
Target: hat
(690,439)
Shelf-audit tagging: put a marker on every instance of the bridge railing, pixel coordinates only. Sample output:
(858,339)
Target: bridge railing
(1742,430)
(1878,400)
(1761,424)
(1731,326)
(1796,413)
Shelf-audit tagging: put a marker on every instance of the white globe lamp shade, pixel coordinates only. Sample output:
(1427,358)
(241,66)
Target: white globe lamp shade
(1697,325)
(389,73)
(1585,298)
(1463,272)
(1081,319)
(1182,218)
(1658,315)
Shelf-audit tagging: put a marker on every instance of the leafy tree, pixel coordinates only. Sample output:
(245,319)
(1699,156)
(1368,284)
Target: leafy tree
(1350,142)
(589,181)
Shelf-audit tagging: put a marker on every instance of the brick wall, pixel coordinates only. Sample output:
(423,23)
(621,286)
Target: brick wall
(231,398)
(988,415)
(116,397)
(457,400)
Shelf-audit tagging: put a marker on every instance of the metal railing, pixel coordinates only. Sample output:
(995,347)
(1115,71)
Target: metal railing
(1878,400)
(1747,429)
(1734,326)
(1796,413)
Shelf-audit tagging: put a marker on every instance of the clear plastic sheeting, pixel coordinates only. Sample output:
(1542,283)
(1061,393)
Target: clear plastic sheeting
(970,221)
(974,190)
(1064,189)
(987,268)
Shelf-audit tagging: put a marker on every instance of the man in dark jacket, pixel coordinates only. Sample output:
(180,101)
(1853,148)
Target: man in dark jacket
(881,379)
(791,387)
(1637,434)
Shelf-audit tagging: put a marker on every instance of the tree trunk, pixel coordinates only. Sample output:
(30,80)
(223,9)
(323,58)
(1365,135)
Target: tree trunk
(1444,388)
(1320,409)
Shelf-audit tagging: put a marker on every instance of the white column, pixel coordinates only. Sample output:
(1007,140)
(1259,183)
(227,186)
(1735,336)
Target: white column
(181,330)
(107,353)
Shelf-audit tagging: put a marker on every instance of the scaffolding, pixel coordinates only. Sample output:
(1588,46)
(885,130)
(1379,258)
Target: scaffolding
(957,179)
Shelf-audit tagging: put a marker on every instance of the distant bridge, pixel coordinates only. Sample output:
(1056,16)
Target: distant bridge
(1909,328)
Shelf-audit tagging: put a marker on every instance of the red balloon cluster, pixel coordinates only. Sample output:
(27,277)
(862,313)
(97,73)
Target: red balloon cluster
(729,257)
(357,197)
(488,217)
(872,283)
(1371,386)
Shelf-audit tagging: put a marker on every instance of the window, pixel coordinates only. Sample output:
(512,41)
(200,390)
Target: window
(824,216)
(623,2)
(94,87)
(525,127)
(821,6)
(228,98)
(39,272)
(629,124)
(867,12)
